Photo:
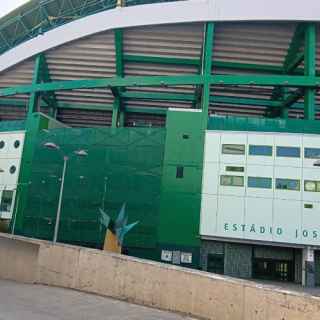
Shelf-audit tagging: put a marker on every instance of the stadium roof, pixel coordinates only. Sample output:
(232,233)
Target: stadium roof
(154,60)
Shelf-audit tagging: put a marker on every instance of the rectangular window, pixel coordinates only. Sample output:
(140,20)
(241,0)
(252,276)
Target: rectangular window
(233,181)
(289,152)
(6,201)
(179,172)
(260,182)
(237,149)
(311,186)
(288,184)
(312,153)
(255,150)
(234,169)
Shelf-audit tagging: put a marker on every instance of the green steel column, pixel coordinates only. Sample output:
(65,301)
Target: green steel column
(310,70)
(118,112)
(206,70)
(34,97)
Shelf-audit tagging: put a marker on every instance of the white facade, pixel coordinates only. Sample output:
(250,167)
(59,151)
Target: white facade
(270,197)
(11,145)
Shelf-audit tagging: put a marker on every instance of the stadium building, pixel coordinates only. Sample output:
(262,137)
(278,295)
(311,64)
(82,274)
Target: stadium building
(200,115)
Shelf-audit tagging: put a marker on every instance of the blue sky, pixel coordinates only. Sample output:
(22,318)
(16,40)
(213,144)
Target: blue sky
(8,5)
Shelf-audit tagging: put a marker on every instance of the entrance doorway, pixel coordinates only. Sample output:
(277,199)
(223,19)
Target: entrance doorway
(274,270)
(215,263)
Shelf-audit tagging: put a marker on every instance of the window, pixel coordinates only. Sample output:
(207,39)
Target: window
(290,152)
(255,150)
(311,186)
(312,153)
(237,149)
(234,181)
(2,144)
(12,169)
(288,184)
(16,144)
(260,182)
(234,169)
(179,172)
(6,201)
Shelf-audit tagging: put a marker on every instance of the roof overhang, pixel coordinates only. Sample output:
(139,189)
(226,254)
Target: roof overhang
(159,13)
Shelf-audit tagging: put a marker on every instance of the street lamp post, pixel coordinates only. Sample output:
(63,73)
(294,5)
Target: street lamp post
(80,153)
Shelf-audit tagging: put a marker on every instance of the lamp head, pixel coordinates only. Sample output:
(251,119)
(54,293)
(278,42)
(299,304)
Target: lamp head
(81,153)
(51,145)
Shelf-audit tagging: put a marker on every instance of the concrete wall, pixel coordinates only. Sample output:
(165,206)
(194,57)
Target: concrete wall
(162,286)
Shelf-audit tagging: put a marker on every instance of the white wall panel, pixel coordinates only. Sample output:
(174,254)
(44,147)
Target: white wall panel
(287,218)
(230,216)
(260,213)
(261,139)
(312,174)
(208,225)
(310,141)
(288,173)
(288,140)
(233,138)
(210,180)
(258,219)
(260,171)
(310,228)
(231,190)
(212,147)
(10,158)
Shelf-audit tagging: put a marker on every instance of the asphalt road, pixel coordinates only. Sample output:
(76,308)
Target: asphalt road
(36,302)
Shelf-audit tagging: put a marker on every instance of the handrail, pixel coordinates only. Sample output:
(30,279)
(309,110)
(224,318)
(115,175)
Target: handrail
(39,16)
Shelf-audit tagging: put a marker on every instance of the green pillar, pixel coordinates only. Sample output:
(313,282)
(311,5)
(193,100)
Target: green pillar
(206,70)
(34,97)
(118,112)
(310,70)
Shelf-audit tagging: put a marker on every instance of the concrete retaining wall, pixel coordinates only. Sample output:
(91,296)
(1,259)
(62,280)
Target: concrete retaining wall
(162,286)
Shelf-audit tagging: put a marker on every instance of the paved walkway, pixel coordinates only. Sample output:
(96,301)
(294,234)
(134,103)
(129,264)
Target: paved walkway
(36,302)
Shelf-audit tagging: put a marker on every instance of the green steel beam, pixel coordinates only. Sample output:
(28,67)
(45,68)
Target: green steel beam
(117,113)
(34,97)
(130,81)
(206,71)
(310,70)
(248,66)
(144,110)
(295,56)
(292,98)
(140,81)
(292,60)
(158,96)
(266,80)
(161,60)
(50,97)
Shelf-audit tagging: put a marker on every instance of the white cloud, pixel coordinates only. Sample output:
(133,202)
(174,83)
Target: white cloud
(7,6)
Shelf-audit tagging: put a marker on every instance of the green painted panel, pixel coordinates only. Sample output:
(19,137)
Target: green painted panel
(189,183)
(264,125)
(124,165)
(181,225)
(181,192)
(184,140)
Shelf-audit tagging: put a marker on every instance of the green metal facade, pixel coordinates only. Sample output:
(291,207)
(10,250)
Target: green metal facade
(124,165)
